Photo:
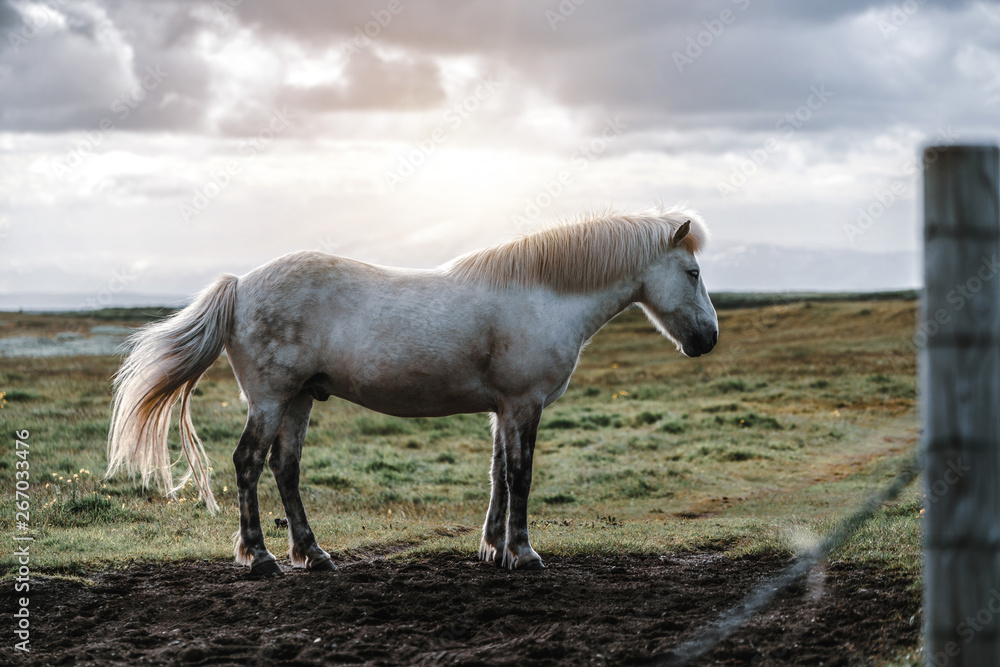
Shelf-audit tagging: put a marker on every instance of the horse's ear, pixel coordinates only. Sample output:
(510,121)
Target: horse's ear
(679,235)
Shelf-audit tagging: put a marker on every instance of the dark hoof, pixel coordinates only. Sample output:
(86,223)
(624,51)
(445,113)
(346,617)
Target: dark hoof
(267,568)
(326,565)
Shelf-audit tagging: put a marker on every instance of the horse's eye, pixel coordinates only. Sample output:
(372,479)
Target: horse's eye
(694,273)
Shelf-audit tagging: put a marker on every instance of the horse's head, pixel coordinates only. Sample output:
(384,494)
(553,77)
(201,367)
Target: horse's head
(675,299)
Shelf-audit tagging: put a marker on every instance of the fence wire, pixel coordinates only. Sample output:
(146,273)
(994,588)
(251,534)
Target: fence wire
(731,620)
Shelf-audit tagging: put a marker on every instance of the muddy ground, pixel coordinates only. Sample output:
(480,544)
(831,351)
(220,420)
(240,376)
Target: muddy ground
(448,609)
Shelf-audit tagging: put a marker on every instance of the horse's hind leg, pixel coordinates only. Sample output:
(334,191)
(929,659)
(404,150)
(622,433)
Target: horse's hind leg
(491,546)
(284,462)
(262,427)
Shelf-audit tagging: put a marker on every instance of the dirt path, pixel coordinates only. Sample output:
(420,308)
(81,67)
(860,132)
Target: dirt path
(454,610)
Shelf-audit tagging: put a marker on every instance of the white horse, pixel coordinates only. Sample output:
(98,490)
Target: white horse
(498,330)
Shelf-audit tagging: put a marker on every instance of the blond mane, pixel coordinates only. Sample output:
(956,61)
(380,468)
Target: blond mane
(584,254)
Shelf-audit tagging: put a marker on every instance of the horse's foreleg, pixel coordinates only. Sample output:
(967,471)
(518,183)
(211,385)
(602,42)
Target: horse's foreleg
(491,546)
(519,446)
(284,462)
(249,548)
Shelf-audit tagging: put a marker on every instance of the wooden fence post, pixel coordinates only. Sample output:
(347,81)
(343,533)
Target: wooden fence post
(959,366)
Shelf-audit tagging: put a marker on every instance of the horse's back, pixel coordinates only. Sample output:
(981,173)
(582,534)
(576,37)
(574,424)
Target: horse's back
(405,342)
(343,327)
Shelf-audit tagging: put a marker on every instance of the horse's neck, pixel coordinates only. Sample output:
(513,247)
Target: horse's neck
(603,305)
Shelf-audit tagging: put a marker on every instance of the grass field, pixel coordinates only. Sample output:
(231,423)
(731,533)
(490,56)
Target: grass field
(803,409)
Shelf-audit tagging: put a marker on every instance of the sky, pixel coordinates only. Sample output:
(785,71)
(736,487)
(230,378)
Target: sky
(147,146)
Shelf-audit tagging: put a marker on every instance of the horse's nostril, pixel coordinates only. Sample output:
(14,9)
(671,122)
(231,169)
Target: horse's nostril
(709,341)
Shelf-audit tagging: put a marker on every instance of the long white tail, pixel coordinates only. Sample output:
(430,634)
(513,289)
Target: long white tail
(167,360)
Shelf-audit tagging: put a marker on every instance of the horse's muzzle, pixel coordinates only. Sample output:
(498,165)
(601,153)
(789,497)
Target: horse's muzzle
(702,343)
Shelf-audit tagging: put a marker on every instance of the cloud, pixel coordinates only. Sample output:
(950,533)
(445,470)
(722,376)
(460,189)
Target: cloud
(51,64)
(745,72)
(10,19)
(77,63)
(372,83)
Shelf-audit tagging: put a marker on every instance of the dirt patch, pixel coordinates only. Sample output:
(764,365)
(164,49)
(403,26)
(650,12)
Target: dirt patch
(448,609)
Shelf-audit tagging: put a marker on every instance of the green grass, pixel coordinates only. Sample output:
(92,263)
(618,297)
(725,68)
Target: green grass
(804,409)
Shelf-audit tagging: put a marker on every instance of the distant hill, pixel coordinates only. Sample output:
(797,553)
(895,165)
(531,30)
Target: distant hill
(50,302)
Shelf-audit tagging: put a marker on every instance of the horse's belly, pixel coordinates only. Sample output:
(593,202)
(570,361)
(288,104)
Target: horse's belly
(410,406)
(429,397)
